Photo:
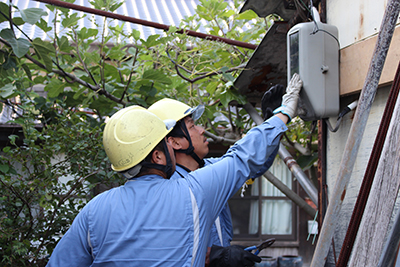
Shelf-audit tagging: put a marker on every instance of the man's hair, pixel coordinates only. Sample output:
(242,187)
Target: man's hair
(178,129)
(159,147)
(145,165)
(145,169)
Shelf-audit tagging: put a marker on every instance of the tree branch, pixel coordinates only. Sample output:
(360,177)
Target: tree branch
(219,139)
(61,202)
(303,150)
(202,74)
(17,195)
(81,60)
(73,78)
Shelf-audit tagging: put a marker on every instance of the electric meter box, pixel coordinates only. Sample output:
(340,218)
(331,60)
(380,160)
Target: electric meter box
(313,53)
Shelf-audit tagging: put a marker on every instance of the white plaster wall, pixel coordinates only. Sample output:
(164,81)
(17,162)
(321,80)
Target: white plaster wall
(356,19)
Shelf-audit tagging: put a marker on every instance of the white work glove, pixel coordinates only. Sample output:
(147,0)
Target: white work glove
(290,99)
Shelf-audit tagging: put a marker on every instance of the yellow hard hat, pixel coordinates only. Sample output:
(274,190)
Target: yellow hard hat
(131,134)
(173,109)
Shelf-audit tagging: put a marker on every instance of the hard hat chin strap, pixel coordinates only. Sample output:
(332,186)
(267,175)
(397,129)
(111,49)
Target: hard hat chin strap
(190,150)
(168,168)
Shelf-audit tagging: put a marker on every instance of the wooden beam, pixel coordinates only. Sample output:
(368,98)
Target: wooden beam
(355,59)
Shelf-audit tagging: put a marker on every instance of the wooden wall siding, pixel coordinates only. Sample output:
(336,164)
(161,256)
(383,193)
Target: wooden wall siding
(359,25)
(355,60)
(335,147)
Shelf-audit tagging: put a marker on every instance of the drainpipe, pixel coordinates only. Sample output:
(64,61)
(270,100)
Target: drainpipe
(322,193)
(303,179)
(147,23)
(356,132)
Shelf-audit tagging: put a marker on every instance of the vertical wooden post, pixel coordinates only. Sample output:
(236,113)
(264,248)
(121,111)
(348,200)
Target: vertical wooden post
(378,211)
(356,132)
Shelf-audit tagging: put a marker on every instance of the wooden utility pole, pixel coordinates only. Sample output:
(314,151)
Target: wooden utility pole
(382,198)
(356,133)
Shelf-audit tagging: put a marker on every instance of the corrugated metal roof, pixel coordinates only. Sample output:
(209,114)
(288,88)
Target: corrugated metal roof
(168,12)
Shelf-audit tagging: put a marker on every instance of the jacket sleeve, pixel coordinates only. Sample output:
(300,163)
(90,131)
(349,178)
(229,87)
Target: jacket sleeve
(74,247)
(264,168)
(213,185)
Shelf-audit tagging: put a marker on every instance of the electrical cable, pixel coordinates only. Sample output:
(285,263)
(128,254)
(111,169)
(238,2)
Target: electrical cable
(349,108)
(305,6)
(346,110)
(317,29)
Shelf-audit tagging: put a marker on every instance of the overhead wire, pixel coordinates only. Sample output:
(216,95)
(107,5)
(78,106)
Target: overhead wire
(317,29)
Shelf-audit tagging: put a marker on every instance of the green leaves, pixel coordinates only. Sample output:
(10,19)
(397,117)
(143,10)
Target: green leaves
(44,51)
(109,5)
(71,20)
(4,168)
(155,75)
(7,91)
(42,24)
(211,86)
(210,9)
(4,8)
(32,15)
(64,45)
(247,15)
(151,41)
(86,33)
(70,141)
(54,88)
(20,46)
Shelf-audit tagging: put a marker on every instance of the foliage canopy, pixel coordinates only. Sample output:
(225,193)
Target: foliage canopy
(49,168)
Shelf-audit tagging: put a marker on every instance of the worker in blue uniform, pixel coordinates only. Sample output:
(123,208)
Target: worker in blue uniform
(152,220)
(191,147)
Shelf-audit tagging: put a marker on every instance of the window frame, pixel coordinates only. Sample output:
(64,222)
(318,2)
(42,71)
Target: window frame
(293,237)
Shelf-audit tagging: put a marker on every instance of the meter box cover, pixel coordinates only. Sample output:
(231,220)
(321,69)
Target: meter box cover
(313,53)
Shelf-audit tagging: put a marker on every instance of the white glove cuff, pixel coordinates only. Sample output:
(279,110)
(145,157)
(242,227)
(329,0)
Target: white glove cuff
(282,109)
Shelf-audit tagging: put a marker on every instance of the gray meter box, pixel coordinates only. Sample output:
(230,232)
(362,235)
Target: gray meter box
(313,53)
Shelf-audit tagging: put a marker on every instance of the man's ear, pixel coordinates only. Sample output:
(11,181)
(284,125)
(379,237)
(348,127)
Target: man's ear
(175,142)
(158,157)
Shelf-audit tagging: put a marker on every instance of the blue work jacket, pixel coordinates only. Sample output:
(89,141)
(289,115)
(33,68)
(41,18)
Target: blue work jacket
(221,232)
(151,221)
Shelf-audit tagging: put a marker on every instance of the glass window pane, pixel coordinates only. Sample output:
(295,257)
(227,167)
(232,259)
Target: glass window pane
(294,53)
(244,214)
(254,188)
(282,172)
(276,217)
